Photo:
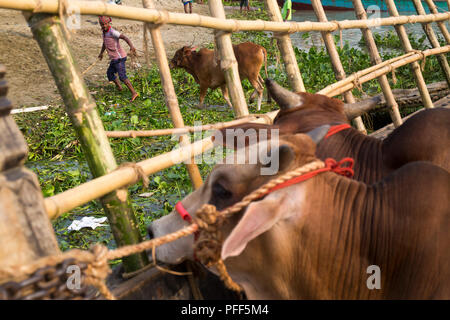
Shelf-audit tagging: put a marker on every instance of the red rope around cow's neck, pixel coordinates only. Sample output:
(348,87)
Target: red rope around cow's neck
(330,165)
(335,129)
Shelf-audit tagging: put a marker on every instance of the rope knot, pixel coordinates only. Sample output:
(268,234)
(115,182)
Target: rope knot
(339,168)
(207,215)
(98,268)
(209,243)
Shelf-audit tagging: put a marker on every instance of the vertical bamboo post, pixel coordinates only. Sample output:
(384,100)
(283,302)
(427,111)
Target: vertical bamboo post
(228,62)
(88,126)
(434,41)
(440,24)
(375,59)
(145,45)
(169,91)
(287,51)
(335,61)
(418,76)
(26,234)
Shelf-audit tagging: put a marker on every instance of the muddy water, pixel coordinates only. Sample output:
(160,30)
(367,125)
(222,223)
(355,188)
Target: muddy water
(351,35)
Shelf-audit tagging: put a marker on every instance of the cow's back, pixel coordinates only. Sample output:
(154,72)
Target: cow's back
(423,137)
(250,58)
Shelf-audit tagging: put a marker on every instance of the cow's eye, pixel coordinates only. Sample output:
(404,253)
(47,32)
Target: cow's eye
(220,192)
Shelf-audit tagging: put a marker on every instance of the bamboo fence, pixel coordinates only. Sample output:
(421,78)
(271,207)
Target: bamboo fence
(376,59)
(109,181)
(195,20)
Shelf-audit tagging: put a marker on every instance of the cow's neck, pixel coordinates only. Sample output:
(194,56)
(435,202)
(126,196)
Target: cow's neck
(345,227)
(293,260)
(366,151)
(315,255)
(192,67)
(331,239)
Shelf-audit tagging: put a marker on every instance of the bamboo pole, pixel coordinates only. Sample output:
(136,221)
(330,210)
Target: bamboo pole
(434,41)
(335,60)
(346,85)
(95,188)
(376,59)
(228,62)
(195,20)
(329,90)
(441,25)
(287,51)
(415,67)
(88,126)
(169,92)
(171,131)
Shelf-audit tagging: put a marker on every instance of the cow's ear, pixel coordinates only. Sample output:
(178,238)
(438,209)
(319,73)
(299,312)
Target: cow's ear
(259,217)
(319,133)
(246,134)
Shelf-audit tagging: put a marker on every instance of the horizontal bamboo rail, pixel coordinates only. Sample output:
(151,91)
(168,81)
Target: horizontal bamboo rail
(355,77)
(346,84)
(123,176)
(178,131)
(162,16)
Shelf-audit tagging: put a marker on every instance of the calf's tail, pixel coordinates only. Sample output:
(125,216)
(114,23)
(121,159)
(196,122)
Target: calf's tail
(267,75)
(265,62)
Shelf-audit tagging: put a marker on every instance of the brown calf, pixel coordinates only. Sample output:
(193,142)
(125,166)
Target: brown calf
(206,70)
(324,237)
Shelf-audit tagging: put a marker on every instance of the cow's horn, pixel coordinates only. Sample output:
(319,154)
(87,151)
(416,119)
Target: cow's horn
(285,98)
(353,110)
(318,133)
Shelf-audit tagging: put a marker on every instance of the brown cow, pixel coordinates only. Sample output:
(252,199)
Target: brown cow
(206,70)
(425,136)
(329,237)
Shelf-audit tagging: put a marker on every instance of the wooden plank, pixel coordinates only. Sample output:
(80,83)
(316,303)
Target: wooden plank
(26,233)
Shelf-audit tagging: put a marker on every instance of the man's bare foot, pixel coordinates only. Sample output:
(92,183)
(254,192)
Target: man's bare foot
(134,96)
